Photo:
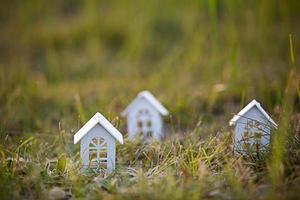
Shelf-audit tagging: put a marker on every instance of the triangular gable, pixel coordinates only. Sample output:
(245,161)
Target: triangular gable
(247,108)
(149,98)
(98,119)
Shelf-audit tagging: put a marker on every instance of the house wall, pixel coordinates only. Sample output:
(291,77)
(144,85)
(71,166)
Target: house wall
(157,121)
(97,131)
(264,127)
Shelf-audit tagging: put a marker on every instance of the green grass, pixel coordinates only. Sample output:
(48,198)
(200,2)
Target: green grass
(61,61)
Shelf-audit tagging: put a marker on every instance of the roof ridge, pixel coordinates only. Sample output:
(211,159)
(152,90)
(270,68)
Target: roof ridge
(98,118)
(247,108)
(150,98)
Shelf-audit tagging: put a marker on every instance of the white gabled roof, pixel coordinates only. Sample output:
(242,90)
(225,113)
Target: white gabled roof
(247,108)
(98,119)
(151,99)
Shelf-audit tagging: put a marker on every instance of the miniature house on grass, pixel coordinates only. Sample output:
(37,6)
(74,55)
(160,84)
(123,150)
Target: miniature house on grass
(98,144)
(253,128)
(145,117)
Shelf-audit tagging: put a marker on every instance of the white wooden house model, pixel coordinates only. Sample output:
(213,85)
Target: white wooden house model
(145,117)
(98,144)
(253,128)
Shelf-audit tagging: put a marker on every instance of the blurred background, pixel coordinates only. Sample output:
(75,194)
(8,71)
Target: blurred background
(61,61)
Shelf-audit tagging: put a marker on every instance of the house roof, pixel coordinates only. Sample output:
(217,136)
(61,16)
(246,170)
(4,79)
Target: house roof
(98,119)
(149,98)
(247,108)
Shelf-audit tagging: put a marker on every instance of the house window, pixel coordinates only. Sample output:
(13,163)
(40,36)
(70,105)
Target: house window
(98,153)
(144,123)
(149,124)
(257,139)
(250,124)
(257,124)
(252,140)
(149,134)
(246,140)
(140,124)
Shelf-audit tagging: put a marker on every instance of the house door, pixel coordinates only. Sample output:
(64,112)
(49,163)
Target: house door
(98,154)
(144,124)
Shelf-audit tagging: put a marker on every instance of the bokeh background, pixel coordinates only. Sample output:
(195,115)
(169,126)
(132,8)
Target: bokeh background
(61,61)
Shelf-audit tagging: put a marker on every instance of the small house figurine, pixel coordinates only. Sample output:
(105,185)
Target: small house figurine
(98,144)
(144,117)
(252,129)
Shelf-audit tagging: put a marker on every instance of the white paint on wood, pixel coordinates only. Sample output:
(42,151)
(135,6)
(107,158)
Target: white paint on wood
(97,144)
(145,117)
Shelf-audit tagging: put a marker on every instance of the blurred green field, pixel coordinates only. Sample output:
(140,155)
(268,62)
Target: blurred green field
(61,61)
